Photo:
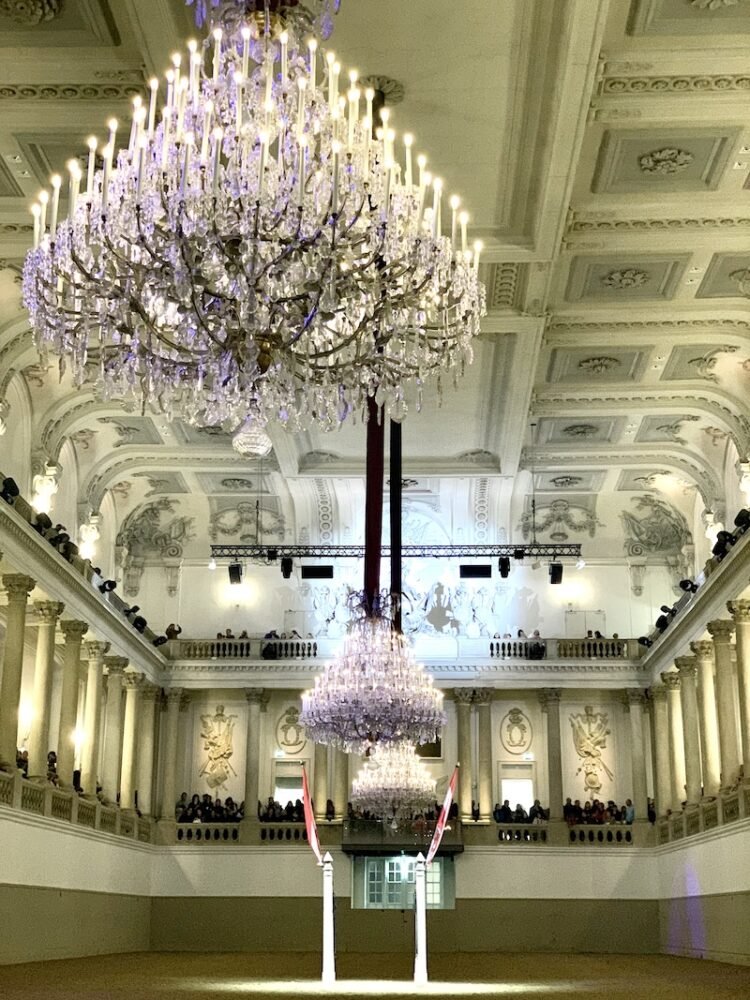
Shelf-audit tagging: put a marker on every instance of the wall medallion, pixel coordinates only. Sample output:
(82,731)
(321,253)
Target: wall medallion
(515,732)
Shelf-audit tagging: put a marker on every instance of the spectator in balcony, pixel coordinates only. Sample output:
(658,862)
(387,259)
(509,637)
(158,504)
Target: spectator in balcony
(330,810)
(537,813)
(52,768)
(22,761)
(243,634)
(521,634)
(629,812)
(474,810)
(497,813)
(568,812)
(181,806)
(172,631)
(520,815)
(506,813)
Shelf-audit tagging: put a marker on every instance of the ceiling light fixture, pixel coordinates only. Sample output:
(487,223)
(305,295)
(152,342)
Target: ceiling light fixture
(255,252)
(393,784)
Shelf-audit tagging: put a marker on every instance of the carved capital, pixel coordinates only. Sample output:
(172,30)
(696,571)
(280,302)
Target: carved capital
(116,665)
(185,701)
(671,680)
(658,693)
(548,697)
(703,649)
(483,696)
(96,650)
(18,586)
(634,696)
(150,692)
(463,696)
(173,697)
(721,630)
(740,611)
(257,696)
(686,665)
(48,612)
(73,630)
(135,681)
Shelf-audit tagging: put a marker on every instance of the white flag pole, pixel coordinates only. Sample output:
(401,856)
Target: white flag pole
(420,926)
(329,958)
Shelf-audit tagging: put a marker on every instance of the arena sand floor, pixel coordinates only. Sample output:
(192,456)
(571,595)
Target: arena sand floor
(157,976)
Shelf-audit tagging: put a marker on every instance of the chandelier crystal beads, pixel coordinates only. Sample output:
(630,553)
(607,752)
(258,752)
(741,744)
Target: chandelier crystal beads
(255,250)
(374,692)
(393,784)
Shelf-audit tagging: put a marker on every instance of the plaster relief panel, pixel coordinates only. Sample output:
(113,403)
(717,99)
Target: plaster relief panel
(688,17)
(667,428)
(572,430)
(596,365)
(726,276)
(590,731)
(638,161)
(637,480)
(203,437)
(582,481)
(291,738)
(696,361)
(618,279)
(560,520)
(163,482)
(217,738)
(516,734)
(57,23)
(132,430)
(240,521)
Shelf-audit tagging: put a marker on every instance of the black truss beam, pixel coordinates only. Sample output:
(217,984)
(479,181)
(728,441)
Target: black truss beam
(278,551)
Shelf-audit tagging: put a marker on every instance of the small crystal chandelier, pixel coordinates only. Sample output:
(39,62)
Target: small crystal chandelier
(374,692)
(393,784)
(256,250)
(251,440)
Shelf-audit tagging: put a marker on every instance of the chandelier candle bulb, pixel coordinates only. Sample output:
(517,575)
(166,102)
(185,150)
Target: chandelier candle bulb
(154,85)
(333,89)
(336,151)
(246,36)
(177,63)
(74,187)
(218,34)
(188,143)
(166,136)
(169,77)
(207,116)
(408,143)
(238,78)
(36,211)
(437,189)
(263,140)
(197,66)
(455,204)
(107,153)
(137,102)
(464,222)
(301,170)
(478,247)
(312,50)
(353,114)
(143,146)
(284,44)
(92,144)
(301,87)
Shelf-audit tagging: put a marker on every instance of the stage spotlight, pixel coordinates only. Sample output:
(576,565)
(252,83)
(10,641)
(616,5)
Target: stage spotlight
(519,553)
(272,555)
(503,564)
(742,521)
(662,623)
(645,641)
(287,565)
(131,611)
(140,623)
(9,491)
(581,564)
(160,640)
(669,612)
(235,572)
(107,587)
(555,572)
(688,586)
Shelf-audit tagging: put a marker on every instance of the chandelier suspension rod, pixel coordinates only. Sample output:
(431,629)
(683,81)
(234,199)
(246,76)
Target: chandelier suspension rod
(374,502)
(396,489)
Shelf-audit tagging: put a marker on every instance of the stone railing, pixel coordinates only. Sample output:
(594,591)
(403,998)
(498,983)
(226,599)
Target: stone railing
(68,807)
(565,649)
(254,648)
(556,833)
(359,835)
(728,807)
(207,833)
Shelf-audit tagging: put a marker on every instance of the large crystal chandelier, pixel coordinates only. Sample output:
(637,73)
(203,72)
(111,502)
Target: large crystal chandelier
(261,248)
(373,692)
(393,784)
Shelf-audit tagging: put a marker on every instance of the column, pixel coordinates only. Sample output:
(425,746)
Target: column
(676,741)
(483,701)
(741,613)
(463,698)
(709,723)
(47,614)
(74,631)
(726,695)
(550,702)
(688,669)
(256,699)
(320,780)
(90,751)
(133,684)
(169,764)
(340,783)
(660,722)
(17,587)
(113,731)
(145,765)
(634,705)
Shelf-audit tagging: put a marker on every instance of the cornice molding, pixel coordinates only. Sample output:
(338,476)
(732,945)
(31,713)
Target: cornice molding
(70,92)
(588,224)
(661,86)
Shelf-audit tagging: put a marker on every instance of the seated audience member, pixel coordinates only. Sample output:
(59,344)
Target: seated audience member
(228,634)
(521,634)
(453,811)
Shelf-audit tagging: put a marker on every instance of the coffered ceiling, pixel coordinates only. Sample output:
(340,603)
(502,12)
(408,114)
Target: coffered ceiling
(603,150)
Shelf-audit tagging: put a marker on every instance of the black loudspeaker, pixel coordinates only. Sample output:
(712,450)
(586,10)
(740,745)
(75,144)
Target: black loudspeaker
(287,565)
(483,572)
(662,622)
(519,553)
(235,572)
(503,564)
(317,572)
(555,572)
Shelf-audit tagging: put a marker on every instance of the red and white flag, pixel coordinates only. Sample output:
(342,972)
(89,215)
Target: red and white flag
(310,824)
(443,817)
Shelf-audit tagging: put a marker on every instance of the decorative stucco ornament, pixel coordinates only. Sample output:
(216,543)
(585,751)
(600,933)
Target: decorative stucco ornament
(630,277)
(669,160)
(30,12)
(714,4)
(590,732)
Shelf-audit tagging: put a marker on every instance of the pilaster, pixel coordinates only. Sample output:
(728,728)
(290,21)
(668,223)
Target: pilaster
(47,614)
(549,699)
(18,587)
(727,694)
